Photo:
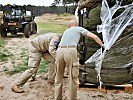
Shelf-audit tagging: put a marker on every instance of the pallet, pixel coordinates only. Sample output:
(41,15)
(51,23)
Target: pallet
(126,87)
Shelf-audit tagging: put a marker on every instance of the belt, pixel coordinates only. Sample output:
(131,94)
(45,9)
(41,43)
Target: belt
(68,46)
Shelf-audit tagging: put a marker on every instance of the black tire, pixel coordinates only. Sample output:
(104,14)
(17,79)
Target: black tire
(34,28)
(3,33)
(27,31)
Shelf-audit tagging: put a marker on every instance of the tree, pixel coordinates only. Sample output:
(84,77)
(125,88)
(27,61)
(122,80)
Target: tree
(64,2)
(57,1)
(53,5)
(68,1)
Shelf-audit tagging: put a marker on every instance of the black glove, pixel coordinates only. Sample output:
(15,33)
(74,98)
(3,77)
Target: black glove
(103,48)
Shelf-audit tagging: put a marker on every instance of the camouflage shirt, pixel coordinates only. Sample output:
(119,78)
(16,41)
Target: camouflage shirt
(47,42)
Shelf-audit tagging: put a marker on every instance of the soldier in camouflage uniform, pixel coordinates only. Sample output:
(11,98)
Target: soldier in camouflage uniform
(42,46)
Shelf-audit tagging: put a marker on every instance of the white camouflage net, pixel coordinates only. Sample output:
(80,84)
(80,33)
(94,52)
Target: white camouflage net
(111,30)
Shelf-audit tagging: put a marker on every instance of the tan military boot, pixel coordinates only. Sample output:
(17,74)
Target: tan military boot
(16,89)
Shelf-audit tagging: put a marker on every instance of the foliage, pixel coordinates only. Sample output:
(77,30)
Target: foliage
(2,42)
(22,67)
(4,53)
(68,1)
(16,69)
(64,1)
(43,66)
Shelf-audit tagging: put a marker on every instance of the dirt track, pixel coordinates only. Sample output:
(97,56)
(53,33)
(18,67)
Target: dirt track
(39,89)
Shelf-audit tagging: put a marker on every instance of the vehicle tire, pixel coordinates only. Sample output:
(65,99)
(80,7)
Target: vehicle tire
(3,33)
(34,28)
(27,31)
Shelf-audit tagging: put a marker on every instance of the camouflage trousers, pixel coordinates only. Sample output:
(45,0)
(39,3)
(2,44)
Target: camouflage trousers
(33,64)
(66,57)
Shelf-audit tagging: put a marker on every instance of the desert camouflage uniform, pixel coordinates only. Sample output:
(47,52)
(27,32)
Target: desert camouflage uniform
(42,46)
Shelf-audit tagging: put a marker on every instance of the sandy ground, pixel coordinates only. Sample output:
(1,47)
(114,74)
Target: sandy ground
(39,89)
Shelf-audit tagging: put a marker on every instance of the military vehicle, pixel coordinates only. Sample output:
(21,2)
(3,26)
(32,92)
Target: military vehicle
(117,66)
(17,19)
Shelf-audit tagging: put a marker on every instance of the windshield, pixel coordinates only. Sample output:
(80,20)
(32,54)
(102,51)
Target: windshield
(17,11)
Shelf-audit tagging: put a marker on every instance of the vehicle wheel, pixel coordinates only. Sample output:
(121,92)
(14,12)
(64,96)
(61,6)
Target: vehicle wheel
(27,31)
(34,28)
(3,33)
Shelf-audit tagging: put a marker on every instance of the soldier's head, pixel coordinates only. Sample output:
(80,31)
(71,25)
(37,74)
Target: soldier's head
(73,23)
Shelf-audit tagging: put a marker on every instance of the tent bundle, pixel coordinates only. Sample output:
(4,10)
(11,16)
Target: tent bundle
(110,18)
(111,28)
(93,10)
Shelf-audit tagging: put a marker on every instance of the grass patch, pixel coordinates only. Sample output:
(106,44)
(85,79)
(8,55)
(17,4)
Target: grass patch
(53,23)
(2,42)
(43,68)
(64,14)
(16,69)
(4,53)
(51,27)
(21,68)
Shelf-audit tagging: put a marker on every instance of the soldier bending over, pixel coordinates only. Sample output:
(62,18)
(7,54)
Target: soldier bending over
(42,46)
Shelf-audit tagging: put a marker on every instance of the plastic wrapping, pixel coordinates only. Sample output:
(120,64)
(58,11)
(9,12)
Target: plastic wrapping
(111,29)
